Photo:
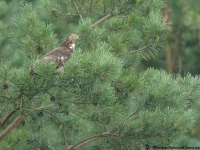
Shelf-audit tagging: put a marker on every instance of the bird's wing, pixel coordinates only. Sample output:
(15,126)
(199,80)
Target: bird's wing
(59,52)
(58,55)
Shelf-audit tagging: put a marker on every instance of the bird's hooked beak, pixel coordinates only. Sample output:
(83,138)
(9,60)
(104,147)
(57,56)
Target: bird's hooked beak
(77,37)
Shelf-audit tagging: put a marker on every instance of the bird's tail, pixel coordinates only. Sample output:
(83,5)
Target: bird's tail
(31,70)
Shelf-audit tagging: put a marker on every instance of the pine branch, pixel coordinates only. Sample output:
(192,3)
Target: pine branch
(13,125)
(90,82)
(90,139)
(141,49)
(78,10)
(136,112)
(63,129)
(104,73)
(103,19)
(6,97)
(9,116)
(114,13)
(90,9)
(65,138)
(78,115)
(84,103)
(44,107)
(192,90)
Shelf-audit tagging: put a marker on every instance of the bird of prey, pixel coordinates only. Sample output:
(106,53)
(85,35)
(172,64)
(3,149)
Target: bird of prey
(60,54)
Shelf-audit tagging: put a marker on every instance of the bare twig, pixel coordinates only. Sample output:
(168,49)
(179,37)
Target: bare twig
(90,139)
(78,10)
(74,102)
(13,125)
(9,116)
(44,107)
(90,9)
(102,20)
(65,138)
(192,90)
(68,14)
(141,49)
(114,13)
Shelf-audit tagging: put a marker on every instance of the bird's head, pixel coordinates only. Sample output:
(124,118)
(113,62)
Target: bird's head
(73,37)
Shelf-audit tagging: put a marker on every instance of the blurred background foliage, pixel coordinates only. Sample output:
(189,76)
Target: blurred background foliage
(182,51)
(180,55)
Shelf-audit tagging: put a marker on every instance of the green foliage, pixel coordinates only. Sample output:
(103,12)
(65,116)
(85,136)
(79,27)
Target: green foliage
(32,34)
(100,100)
(182,49)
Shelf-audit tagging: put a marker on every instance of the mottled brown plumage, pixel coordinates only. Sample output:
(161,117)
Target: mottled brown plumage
(60,54)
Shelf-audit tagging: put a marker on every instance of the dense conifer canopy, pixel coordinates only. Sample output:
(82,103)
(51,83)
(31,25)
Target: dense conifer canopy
(101,100)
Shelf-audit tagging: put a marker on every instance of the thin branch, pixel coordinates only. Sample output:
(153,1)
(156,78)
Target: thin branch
(141,49)
(78,115)
(135,118)
(53,115)
(104,73)
(69,14)
(103,19)
(74,102)
(65,138)
(12,112)
(78,10)
(13,125)
(114,13)
(44,107)
(9,116)
(90,139)
(90,9)
(63,128)
(136,112)
(86,83)
(192,90)
(3,96)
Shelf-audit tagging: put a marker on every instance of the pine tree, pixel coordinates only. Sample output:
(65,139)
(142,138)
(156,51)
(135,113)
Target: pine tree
(101,100)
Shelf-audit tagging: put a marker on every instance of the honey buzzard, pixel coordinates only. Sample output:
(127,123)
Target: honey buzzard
(60,54)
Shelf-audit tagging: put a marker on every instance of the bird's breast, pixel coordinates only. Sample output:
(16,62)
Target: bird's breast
(72,46)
